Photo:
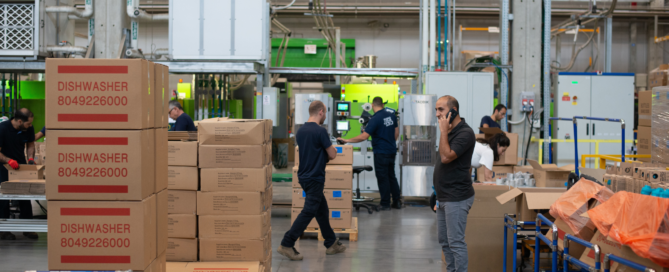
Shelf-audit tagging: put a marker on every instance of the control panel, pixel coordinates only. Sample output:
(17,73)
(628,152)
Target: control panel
(342,108)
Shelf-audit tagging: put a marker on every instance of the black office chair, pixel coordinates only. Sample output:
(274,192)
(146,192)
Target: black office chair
(362,201)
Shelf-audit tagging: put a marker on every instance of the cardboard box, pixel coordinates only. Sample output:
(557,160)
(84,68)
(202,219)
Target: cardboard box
(235,179)
(337,199)
(629,254)
(336,177)
(161,220)
(643,146)
(182,250)
(606,246)
(658,76)
(645,108)
(510,157)
(234,156)
(23,187)
(226,249)
(497,172)
(235,226)
(161,95)
(232,203)
(215,266)
(224,131)
(339,218)
(160,151)
(25,171)
(182,178)
(99,94)
(158,264)
(549,175)
(575,249)
(627,168)
(101,165)
(344,155)
(529,201)
(181,153)
(182,226)
(81,234)
(181,202)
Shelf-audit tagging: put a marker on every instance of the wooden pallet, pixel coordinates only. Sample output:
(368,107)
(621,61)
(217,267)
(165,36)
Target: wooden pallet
(352,232)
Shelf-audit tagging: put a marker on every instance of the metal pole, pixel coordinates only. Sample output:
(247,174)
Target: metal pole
(4,97)
(515,245)
(505,244)
(609,39)
(537,242)
(337,53)
(599,40)
(565,253)
(504,56)
(420,50)
(447,21)
(547,69)
(453,34)
(550,142)
(442,42)
(622,155)
(438,41)
(457,52)
(575,147)
(655,29)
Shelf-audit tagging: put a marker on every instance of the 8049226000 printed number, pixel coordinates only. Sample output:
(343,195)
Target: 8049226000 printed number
(93,100)
(92,172)
(95,242)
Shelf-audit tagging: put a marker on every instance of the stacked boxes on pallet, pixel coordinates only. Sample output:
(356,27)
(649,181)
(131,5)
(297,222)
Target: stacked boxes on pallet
(338,189)
(235,198)
(182,187)
(632,177)
(106,119)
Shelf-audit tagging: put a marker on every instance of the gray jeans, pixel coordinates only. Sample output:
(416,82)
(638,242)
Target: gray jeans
(451,225)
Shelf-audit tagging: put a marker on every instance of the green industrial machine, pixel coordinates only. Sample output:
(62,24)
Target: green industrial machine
(296,56)
(359,94)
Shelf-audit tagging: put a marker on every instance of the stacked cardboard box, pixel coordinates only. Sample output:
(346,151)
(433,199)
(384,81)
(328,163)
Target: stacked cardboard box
(106,182)
(506,162)
(235,198)
(658,76)
(645,111)
(183,183)
(632,177)
(338,189)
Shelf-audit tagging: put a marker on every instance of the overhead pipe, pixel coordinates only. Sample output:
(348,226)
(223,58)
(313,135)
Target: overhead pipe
(433,33)
(71,10)
(284,7)
(134,54)
(160,52)
(67,49)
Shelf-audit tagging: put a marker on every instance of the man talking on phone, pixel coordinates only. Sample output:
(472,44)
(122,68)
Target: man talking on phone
(452,182)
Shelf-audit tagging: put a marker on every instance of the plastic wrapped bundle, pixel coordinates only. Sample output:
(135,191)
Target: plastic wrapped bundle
(576,201)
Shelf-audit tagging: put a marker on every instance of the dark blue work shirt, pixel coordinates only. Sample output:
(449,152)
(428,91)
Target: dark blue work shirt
(184,123)
(382,129)
(13,144)
(43,131)
(312,140)
(488,120)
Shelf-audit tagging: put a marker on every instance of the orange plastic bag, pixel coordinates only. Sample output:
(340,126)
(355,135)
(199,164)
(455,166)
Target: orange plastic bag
(575,202)
(604,215)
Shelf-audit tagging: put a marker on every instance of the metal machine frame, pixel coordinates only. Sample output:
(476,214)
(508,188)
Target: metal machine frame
(424,119)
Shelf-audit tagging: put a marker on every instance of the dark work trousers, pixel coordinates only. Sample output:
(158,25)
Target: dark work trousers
(25,209)
(384,167)
(316,206)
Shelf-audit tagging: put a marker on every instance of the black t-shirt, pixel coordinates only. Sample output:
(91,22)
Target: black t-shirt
(312,141)
(452,180)
(184,123)
(488,120)
(382,129)
(13,144)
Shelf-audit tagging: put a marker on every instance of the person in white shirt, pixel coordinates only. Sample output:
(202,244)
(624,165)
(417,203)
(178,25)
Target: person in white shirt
(486,152)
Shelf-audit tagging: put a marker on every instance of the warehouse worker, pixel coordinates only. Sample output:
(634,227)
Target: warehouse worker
(17,140)
(453,183)
(315,151)
(486,152)
(183,121)
(492,121)
(384,131)
(40,134)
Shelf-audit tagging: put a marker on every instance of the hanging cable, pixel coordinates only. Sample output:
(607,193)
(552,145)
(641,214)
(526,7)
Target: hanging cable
(519,121)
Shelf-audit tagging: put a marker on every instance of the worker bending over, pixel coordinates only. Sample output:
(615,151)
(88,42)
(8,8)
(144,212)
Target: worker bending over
(493,120)
(183,121)
(487,152)
(315,151)
(384,131)
(17,140)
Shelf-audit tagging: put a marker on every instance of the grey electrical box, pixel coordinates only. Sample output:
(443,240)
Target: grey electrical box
(526,102)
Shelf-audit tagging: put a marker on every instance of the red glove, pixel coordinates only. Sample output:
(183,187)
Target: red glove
(14,164)
(31,161)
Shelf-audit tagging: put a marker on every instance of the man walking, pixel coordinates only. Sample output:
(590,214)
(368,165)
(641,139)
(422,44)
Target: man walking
(384,131)
(455,193)
(17,139)
(492,121)
(315,151)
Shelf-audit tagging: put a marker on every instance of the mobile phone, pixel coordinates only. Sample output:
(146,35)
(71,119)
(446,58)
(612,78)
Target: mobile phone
(453,113)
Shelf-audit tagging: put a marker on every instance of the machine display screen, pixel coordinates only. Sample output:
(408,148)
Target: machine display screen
(343,125)
(342,106)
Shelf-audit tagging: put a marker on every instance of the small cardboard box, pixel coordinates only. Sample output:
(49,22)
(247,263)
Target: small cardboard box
(182,250)
(160,156)
(531,200)
(575,249)
(25,171)
(234,156)
(182,178)
(181,202)
(102,235)
(336,177)
(510,157)
(549,175)
(344,155)
(101,165)
(628,253)
(182,226)
(337,199)
(161,220)
(235,179)
(339,218)
(23,187)
(181,153)
(643,146)
(645,108)
(99,94)
(606,246)
(497,172)
(658,76)
(232,203)
(225,249)
(215,266)
(225,131)
(627,168)
(234,226)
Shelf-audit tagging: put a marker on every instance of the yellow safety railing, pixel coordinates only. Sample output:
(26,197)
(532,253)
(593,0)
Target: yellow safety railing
(597,142)
(601,162)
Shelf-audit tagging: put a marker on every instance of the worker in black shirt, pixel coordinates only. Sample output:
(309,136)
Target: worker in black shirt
(492,121)
(17,139)
(183,121)
(453,183)
(315,151)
